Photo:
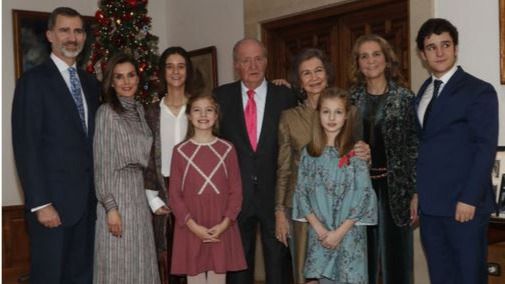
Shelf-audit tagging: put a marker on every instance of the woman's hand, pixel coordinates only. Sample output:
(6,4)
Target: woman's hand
(281,227)
(163,210)
(333,239)
(362,151)
(200,231)
(114,223)
(414,217)
(321,232)
(218,229)
(281,82)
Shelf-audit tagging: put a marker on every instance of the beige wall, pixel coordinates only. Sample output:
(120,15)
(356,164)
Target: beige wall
(194,24)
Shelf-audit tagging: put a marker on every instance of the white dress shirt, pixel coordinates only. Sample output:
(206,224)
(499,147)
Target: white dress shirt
(172,131)
(428,93)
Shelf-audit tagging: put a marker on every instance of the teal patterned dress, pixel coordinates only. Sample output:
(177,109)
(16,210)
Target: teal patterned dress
(335,193)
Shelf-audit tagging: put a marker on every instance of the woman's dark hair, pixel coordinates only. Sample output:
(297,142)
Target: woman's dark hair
(108,92)
(344,140)
(307,54)
(188,84)
(203,96)
(393,67)
(436,26)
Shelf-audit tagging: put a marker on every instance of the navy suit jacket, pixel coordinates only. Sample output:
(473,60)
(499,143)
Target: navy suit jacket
(52,152)
(258,169)
(458,147)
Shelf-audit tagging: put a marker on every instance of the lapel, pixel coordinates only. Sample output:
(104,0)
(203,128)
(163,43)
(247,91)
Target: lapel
(86,88)
(444,99)
(418,99)
(268,120)
(64,96)
(156,115)
(447,93)
(239,115)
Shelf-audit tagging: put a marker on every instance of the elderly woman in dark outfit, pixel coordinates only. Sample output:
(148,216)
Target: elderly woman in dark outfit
(388,126)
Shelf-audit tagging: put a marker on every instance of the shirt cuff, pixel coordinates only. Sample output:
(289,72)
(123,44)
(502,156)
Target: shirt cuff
(154,201)
(40,207)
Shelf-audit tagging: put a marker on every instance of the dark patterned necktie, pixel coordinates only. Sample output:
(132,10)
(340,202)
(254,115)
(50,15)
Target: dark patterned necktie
(436,88)
(75,90)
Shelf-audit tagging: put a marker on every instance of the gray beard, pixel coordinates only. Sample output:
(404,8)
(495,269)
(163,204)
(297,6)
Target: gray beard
(71,54)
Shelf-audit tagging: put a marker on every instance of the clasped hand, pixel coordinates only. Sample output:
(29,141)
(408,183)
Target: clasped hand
(208,235)
(330,239)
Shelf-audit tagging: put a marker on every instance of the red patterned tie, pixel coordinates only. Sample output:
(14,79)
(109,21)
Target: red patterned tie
(250,118)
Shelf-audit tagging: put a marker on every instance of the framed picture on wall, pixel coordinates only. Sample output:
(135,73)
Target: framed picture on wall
(30,43)
(502,41)
(498,179)
(204,62)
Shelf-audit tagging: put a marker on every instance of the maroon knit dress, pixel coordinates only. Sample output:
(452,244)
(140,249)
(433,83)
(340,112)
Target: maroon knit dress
(205,185)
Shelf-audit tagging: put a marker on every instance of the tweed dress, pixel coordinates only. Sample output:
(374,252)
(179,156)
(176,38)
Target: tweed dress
(122,145)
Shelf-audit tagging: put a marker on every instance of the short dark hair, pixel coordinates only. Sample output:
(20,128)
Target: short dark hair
(436,26)
(108,92)
(188,84)
(307,54)
(62,11)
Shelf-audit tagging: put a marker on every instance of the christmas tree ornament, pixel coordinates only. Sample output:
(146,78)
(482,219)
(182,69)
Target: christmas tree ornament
(124,26)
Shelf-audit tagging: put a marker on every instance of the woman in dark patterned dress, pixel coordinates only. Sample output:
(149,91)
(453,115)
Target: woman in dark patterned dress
(388,126)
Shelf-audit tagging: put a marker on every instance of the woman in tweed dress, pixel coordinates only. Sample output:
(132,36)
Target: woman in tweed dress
(124,242)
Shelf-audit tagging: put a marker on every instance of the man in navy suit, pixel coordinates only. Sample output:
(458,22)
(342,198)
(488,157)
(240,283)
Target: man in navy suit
(52,128)
(458,120)
(256,143)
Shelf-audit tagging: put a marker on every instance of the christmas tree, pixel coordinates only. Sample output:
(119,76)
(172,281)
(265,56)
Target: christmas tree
(123,26)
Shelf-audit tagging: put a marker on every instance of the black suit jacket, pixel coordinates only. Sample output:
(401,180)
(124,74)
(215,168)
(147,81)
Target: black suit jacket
(258,169)
(52,152)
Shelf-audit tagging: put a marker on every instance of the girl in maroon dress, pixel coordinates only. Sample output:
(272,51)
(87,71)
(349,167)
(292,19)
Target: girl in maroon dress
(205,196)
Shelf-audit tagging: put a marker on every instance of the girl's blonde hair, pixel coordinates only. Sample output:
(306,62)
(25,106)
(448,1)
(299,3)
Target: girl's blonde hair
(204,96)
(344,140)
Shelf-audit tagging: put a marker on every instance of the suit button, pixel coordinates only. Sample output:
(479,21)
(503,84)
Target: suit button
(254,179)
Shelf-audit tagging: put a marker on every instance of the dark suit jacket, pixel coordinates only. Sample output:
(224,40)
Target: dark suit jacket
(458,146)
(53,154)
(258,169)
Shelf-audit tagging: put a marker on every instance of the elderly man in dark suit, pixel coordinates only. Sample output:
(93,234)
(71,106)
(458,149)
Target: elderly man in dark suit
(458,118)
(52,127)
(251,108)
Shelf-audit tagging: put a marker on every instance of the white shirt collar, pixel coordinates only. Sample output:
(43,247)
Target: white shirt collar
(166,109)
(261,89)
(447,76)
(62,65)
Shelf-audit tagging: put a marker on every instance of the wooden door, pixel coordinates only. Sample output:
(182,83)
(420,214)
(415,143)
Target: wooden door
(334,31)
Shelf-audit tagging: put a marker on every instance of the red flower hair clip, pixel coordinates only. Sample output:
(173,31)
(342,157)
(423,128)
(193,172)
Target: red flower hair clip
(346,159)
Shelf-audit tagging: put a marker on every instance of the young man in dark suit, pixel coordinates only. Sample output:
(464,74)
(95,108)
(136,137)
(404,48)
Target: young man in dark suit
(52,128)
(251,108)
(458,120)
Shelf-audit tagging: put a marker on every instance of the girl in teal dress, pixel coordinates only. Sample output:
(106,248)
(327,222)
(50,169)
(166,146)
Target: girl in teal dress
(334,194)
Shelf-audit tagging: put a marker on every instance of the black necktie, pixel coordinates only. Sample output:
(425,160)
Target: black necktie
(436,88)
